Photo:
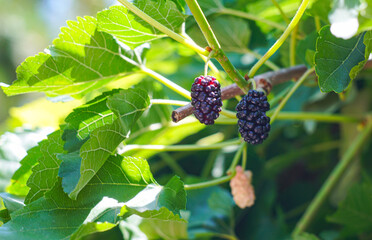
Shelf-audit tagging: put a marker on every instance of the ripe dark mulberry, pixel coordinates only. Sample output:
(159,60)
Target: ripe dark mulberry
(206,99)
(254,125)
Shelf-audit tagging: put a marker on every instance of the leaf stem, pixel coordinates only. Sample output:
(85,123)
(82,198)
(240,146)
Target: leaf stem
(317,23)
(244,158)
(163,28)
(186,147)
(215,45)
(290,93)
(210,183)
(281,40)
(168,102)
(235,161)
(305,116)
(241,14)
(332,180)
(175,87)
(320,117)
(230,171)
(292,47)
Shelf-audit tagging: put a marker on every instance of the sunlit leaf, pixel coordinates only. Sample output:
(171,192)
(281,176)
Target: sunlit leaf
(132,30)
(44,174)
(81,59)
(46,217)
(128,106)
(154,204)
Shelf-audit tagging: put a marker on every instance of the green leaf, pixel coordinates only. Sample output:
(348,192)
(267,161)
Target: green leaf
(335,59)
(368,43)
(56,216)
(355,212)
(128,106)
(132,30)
(162,224)
(76,63)
(28,162)
(92,227)
(155,204)
(211,212)
(173,196)
(44,174)
(86,118)
(13,147)
(306,49)
(18,184)
(11,203)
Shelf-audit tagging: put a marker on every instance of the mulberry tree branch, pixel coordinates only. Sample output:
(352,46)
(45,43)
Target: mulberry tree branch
(264,81)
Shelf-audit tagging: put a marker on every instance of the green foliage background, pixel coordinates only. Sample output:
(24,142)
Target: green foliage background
(92,177)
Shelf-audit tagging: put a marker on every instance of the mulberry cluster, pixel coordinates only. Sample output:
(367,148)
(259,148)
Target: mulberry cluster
(206,99)
(254,125)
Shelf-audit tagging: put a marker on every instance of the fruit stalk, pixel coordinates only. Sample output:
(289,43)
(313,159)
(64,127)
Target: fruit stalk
(219,55)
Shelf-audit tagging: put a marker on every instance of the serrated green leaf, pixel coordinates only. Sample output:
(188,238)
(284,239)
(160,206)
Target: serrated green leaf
(14,147)
(18,184)
(28,162)
(355,212)
(155,204)
(335,58)
(44,174)
(128,105)
(162,224)
(84,119)
(77,63)
(132,30)
(173,195)
(56,216)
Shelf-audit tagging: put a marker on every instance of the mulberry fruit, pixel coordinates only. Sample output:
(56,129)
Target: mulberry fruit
(254,125)
(206,99)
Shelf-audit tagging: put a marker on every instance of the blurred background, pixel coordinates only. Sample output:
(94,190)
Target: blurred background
(26,28)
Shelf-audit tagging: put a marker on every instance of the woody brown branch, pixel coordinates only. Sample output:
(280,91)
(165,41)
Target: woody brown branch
(264,81)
